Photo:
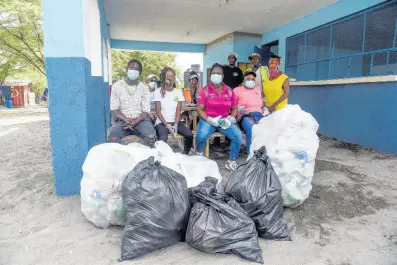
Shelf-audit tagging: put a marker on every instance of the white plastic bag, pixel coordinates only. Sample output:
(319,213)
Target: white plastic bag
(194,168)
(107,165)
(104,170)
(290,136)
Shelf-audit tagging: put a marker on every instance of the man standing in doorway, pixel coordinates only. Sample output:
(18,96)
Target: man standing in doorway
(233,76)
(261,71)
(130,106)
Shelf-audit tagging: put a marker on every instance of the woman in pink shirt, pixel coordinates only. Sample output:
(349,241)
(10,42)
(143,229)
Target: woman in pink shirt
(217,107)
(250,105)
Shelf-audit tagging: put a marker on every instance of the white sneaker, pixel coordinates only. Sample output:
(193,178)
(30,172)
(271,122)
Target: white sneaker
(231,165)
(199,154)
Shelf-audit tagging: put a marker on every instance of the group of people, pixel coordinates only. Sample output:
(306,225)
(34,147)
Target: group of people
(232,102)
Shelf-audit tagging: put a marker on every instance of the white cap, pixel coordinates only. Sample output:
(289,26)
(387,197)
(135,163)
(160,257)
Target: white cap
(232,54)
(151,76)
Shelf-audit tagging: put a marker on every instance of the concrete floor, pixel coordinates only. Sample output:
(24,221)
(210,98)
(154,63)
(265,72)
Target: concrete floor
(350,217)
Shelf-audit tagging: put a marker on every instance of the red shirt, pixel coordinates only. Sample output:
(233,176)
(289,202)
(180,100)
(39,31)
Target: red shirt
(217,104)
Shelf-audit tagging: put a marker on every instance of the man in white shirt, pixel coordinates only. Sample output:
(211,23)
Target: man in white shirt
(130,106)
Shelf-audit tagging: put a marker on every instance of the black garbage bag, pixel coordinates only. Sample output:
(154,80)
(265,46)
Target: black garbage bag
(217,224)
(156,206)
(256,187)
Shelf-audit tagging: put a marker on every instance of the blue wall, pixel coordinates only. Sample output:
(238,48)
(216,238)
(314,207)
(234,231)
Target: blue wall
(325,15)
(217,51)
(244,45)
(68,79)
(364,114)
(79,101)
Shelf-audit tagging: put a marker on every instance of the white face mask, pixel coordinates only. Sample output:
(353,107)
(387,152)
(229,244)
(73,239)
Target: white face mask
(216,79)
(153,84)
(133,74)
(250,83)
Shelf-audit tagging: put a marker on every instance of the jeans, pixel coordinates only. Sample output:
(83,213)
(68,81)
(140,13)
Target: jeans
(246,124)
(205,130)
(144,129)
(162,133)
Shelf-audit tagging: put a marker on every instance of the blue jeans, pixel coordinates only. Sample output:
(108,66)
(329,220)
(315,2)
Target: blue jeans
(205,130)
(247,123)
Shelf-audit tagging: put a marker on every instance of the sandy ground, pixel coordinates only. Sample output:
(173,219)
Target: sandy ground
(350,217)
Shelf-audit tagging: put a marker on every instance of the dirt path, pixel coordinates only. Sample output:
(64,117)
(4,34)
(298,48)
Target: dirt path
(350,217)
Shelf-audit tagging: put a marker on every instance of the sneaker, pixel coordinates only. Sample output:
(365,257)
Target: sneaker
(199,154)
(231,165)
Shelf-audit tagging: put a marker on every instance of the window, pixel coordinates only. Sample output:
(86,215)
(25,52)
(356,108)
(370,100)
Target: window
(364,44)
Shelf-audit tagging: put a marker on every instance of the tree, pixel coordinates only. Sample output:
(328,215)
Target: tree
(21,32)
(21,42)
(152,62)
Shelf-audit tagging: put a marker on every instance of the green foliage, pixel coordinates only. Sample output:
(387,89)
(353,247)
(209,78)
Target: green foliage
(21,42)
(152,62)
(21,33)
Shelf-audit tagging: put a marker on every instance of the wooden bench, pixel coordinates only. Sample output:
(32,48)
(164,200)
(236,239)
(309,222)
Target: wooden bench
(207,144)
(136,139)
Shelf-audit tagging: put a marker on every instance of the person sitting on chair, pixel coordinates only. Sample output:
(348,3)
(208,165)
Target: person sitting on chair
(130,106)
(217,107)
(250,105)
(168,109)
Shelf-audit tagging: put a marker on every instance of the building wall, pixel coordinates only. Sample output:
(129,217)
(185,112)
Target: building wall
(364,114)
(244,45)
(216,52)
(325,15)
(77,65)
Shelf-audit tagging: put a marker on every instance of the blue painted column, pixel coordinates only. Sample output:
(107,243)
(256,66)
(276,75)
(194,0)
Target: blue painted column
(77,104)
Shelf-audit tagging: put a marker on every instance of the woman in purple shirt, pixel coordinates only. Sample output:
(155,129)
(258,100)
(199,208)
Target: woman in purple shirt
(217,107)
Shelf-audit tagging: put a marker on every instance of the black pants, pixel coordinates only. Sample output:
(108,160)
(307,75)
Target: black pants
(162,133)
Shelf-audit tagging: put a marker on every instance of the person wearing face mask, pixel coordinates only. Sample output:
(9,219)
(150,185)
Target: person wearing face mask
(130,105)
(276,89)
(168,109)
(250,105)
(233,75)
(193,90)
(152,86)
(217,108)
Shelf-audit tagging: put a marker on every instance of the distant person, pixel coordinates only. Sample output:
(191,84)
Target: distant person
(260,71)
(250,105)
(168,109)
(233,75)
(276,89)
(217,107)
(130,106)
(190,93)
(153,81)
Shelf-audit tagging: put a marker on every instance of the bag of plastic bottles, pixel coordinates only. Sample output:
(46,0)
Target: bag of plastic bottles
(256,187)
(104,170)
(290,136)
(156,206)
(217,224)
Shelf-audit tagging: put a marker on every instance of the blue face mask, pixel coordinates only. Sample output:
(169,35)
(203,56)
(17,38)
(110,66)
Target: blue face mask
(133,74)
(250,83)
(216,79)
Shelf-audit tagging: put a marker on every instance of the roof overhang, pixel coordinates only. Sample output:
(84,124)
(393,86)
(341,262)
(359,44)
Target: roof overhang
(200,22)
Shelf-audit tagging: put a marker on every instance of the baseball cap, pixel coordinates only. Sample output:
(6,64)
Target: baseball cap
(193,75)
(248,72)
(232,54)
(151,76)
(254,55)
